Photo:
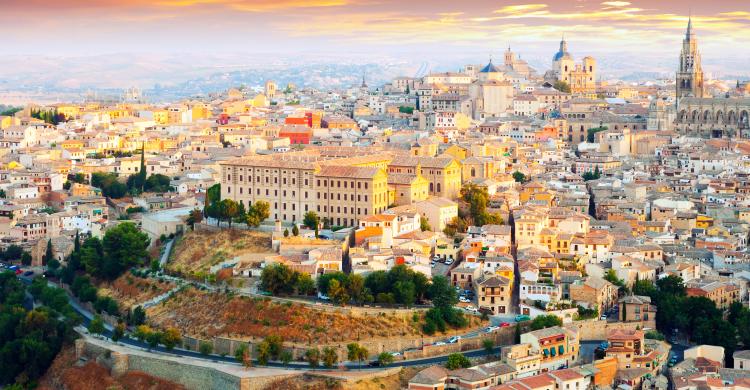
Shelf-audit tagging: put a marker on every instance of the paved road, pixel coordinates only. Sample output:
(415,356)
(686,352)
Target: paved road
(135,343)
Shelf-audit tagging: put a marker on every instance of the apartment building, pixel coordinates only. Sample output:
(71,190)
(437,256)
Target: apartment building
(494,293)
(442,173)
(295,183)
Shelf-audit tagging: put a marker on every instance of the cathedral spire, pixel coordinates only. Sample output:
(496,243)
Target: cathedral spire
(689,32)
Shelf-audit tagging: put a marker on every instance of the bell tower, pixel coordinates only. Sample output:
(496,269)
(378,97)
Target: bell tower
(689,78)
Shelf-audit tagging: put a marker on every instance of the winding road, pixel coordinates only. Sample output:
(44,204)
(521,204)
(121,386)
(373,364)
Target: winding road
(135,343)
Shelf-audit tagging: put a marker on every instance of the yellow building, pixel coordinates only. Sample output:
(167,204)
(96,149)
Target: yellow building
(161,116)
(69,111)
(295,183)
(408,188)
(443,173)
(704,222)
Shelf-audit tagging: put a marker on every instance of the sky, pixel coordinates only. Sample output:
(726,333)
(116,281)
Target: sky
(338,27)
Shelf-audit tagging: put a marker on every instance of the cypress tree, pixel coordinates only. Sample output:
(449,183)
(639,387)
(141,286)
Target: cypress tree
(142,172)
(48,255)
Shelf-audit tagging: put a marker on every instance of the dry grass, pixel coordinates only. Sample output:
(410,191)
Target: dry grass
(66,373)
(396,381)
(206,315)
(130,290)
(196,252)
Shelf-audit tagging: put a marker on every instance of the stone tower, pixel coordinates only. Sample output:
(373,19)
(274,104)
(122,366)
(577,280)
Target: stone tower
(689,80)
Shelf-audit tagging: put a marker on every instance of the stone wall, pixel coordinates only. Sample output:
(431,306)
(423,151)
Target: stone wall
(598,329)
(173,369)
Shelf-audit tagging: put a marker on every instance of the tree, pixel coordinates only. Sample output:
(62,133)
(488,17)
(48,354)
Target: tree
(424,224)
(561,86)
(263,353)
(26,258)
(138,317)
(228,210)
(205,348)
(96,326)
(303,284)
(295,230)
(285,357)
(311,220)
(545,321)
(595,175)
(519,177)
(385,359)
(312,356)
(488,345)
(277,278)
(456,361)
(611,277)
(118,332)
(170,338)
(123,246)
(153,339)
(242,355)
(337,292)
(329,357)
(356,288)
(286,232)
(142,170)
(258,213)
(356,352)
(157,183)
(441,293)
(31,338)
(195,216)
(48,254)
(591,133)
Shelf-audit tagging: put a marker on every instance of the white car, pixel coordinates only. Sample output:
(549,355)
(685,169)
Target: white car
(448,262)
(603,317)
(395,354)
(491,329)
(472,309)
(454,339)
(463,300)
(439,343)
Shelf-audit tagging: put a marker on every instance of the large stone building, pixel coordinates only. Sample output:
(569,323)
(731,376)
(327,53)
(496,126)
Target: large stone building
(707,117)
(689,80)
(580,77)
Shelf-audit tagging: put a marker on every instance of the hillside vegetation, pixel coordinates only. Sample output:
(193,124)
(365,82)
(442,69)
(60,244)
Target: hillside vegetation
(205,315)
(196,252)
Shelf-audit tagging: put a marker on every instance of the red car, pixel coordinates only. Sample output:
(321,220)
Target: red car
(504,324)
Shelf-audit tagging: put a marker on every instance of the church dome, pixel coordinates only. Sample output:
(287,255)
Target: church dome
(490,68)
(563,52)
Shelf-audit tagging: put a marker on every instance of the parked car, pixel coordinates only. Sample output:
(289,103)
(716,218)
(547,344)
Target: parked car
(395,354)
(374,363)
(448,262)
(603,317)
(463,299)
(604,345)
(522,317)
(504,324)
(454,339)
(472,309)
(28,273)
(439,343)
(491,329)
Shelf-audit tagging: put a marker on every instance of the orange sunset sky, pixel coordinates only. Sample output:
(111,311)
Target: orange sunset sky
(376,26)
